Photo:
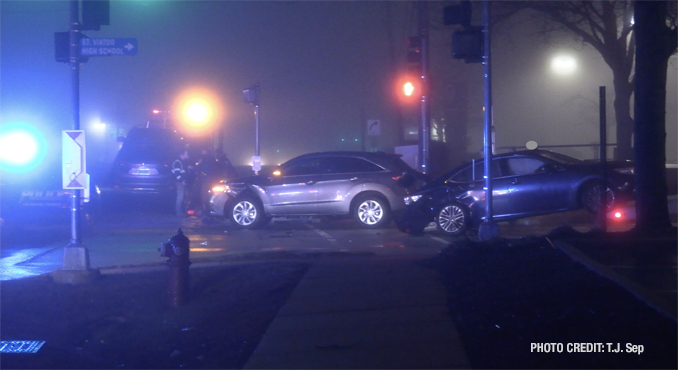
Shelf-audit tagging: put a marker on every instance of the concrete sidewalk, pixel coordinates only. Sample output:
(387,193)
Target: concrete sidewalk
(363,312)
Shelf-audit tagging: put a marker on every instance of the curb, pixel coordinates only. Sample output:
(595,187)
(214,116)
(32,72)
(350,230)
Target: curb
(640,292)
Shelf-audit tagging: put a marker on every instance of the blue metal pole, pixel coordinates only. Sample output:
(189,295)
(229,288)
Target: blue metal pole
(488,229)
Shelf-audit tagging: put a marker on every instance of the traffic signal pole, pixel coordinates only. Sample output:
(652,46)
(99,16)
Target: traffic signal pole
(425,118)
(74,65)
(75,265)
(488,229)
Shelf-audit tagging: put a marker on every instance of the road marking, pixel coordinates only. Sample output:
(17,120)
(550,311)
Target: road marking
(322,233)
(440,239)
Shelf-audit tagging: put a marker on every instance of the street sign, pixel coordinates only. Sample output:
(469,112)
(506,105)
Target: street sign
(96,47)
(73,159)
(374,127)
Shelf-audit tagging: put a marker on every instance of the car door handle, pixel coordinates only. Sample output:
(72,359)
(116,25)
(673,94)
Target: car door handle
(311,182)
(514,181)
(353,179)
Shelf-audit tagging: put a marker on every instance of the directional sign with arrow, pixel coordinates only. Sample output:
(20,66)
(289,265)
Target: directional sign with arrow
(93,47)
(374,127)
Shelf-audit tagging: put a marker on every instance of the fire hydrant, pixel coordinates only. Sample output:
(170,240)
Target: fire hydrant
(177,251)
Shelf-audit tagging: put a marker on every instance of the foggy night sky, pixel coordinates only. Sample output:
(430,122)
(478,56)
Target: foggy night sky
(318,64)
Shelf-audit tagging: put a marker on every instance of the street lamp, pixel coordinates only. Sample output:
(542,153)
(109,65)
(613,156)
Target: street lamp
(563,65)
(199,112)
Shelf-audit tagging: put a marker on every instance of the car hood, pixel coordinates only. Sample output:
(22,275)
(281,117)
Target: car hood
(249,180)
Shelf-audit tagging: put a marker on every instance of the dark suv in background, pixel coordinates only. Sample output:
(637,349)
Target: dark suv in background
(144,163)
(365,185)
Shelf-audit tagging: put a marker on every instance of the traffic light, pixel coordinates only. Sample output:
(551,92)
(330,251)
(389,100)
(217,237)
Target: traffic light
(414,56)
(468,44)
(409,88)
(457,14)
(95,13)
(62,47)
(251,95)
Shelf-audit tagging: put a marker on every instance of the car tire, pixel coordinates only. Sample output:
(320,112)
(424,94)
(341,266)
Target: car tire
(590,197)
(371,211)
(453,219)
(247,213)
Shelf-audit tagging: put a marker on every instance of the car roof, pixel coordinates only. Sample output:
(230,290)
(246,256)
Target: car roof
(350,154)
(379,157)
(528,152)
(387,160)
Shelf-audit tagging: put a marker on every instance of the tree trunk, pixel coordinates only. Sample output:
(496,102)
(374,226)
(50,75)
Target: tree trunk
(652,54)
(622,111)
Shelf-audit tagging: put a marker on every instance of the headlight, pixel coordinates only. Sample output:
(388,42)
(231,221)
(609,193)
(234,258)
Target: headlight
(220,189)
(411,199)
(625,171)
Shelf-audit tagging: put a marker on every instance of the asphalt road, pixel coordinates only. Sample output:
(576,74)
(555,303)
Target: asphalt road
(128,231)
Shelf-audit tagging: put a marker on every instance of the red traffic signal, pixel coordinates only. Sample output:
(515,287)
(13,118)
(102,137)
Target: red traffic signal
(409,89)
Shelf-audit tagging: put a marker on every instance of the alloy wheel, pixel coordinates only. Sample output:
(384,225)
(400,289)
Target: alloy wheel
(244,213)
(370,212)
(452,219)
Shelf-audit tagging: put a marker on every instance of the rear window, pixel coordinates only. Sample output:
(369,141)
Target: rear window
(139,153)
(398,164)
(351,164)
(150,145)
(152,136)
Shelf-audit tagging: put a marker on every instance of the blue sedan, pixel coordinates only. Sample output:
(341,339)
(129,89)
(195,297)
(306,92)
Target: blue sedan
(525,183)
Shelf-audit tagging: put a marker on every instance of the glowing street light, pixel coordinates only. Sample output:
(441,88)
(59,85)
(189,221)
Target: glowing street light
(199,110)
(563,65)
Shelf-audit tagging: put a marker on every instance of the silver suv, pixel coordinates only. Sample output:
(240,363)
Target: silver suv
(366,185)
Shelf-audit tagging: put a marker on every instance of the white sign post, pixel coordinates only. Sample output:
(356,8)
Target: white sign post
(73,167)
(75,268)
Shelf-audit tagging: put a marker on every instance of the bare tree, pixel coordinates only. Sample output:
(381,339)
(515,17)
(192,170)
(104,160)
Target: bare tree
(607,26)
(624,33)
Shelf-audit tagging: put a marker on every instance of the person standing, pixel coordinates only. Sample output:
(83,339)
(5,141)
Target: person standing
(179,167)
(205,176)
